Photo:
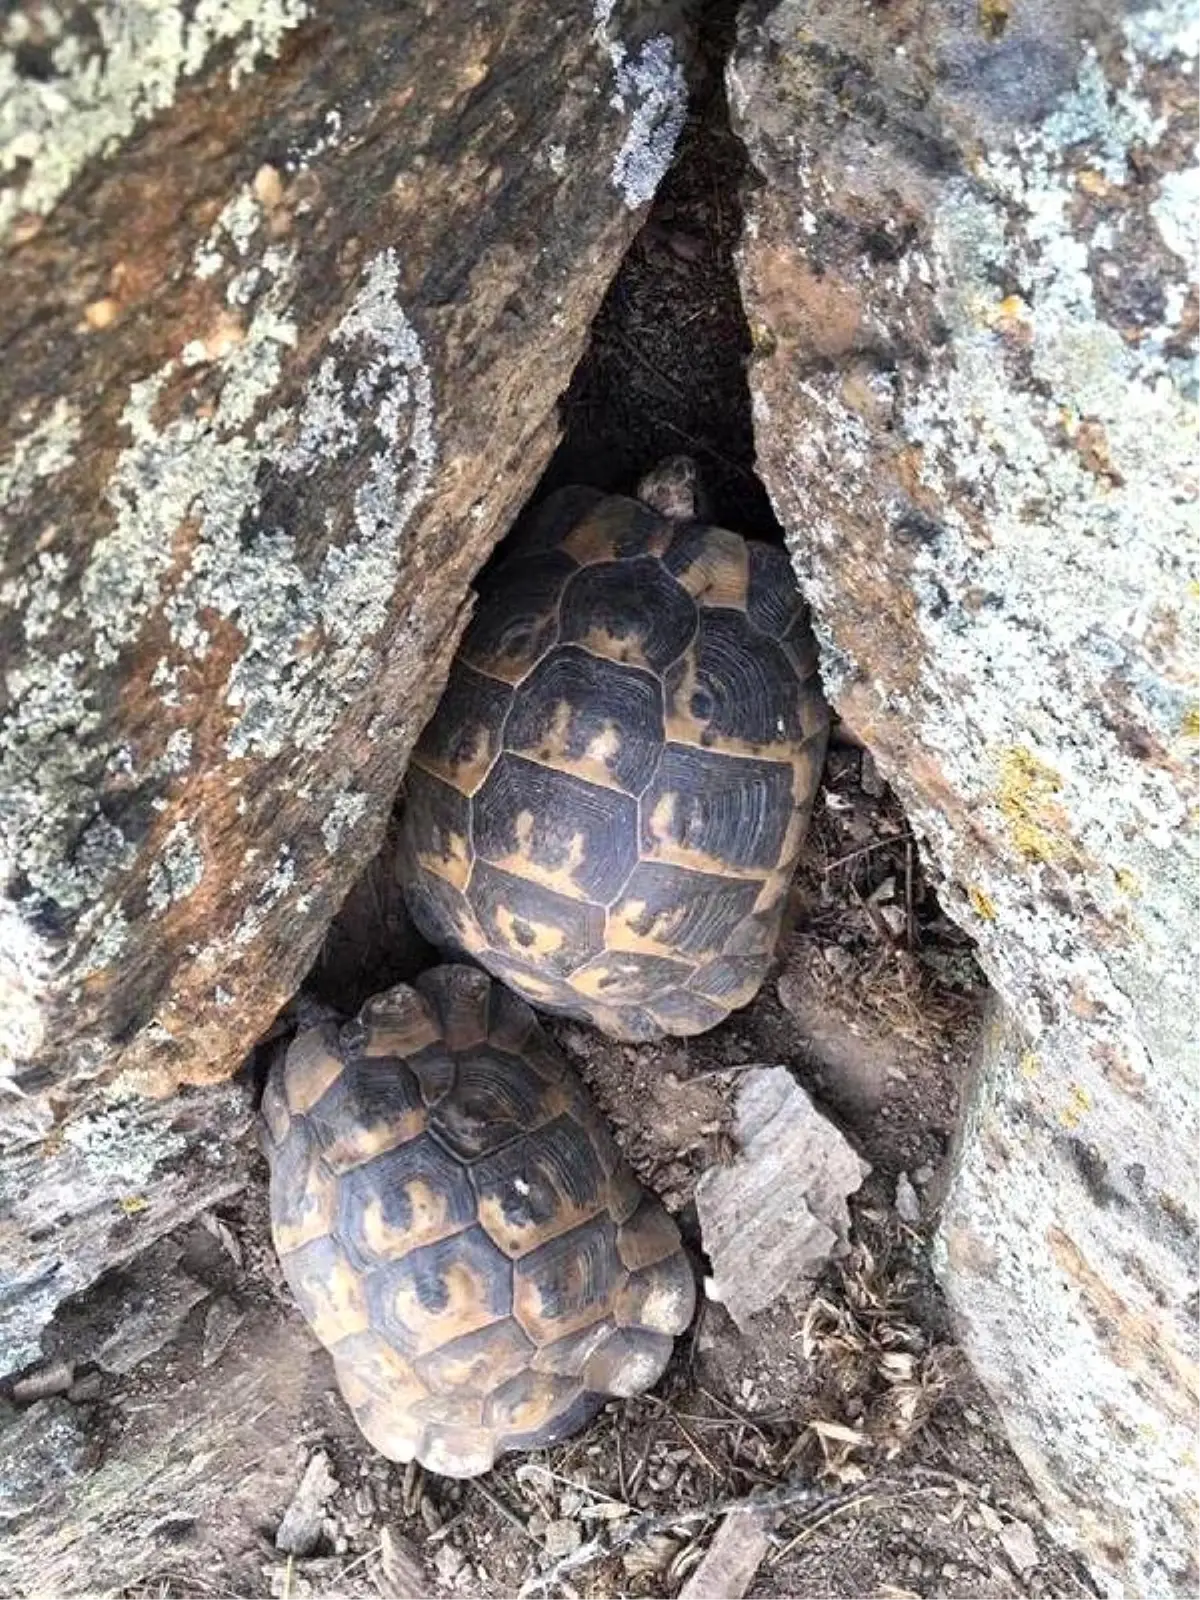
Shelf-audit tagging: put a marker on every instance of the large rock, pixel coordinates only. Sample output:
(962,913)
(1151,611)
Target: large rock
(290,295)
(967,280)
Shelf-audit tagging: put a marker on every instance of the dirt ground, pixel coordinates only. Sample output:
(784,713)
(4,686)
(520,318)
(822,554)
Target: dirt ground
(878,1463)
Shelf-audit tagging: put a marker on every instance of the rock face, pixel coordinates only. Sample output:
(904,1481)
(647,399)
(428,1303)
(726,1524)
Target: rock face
(290,294)
(967,280)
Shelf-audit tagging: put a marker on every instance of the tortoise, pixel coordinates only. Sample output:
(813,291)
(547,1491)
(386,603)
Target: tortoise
(459,1228)
(608,804)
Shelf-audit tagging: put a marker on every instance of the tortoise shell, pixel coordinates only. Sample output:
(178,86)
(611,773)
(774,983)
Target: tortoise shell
(458,1227)
(608,804)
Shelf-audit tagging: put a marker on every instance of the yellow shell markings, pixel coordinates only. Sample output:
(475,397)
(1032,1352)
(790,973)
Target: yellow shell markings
(666,847)
(624,648)
(429,1222)
(652,1300)
(596,982)
(480,1361)
(337,1302)
(544,1319)
(468,772)
(558,876)
(648,1238)
(594,763)
(369,1368)
(600,533)
(466,1308)
(632,929)
(362,1142)
(720,573)
(450,859)
(317,1212)
(542,1397)
(311,1065)
(399,1023)
(543,938)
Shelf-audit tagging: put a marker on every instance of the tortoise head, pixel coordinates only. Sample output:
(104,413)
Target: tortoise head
(674,488)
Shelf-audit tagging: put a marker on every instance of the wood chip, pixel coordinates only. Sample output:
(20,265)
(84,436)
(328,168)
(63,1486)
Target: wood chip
(772,1219)
(299,1532)
(732,1559)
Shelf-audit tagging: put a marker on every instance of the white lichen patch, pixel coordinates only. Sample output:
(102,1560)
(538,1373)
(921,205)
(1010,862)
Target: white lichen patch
(39,454)
(341,818)
(650,89)
(177,870)
(112,67)
(279,881)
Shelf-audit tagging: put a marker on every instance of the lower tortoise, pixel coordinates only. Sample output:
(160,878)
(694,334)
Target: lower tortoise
(607,807)
(459,1228)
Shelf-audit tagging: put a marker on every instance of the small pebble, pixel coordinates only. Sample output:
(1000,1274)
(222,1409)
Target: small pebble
(1020,1546)
(908,1206)
(562,1538)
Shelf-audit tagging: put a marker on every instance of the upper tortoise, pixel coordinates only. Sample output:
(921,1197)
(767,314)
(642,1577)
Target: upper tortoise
(460,1229)
(607,806)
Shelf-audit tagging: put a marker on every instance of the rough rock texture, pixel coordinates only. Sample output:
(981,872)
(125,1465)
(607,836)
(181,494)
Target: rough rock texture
(290,294)
(773,1218)
(103,1186)
(967,280)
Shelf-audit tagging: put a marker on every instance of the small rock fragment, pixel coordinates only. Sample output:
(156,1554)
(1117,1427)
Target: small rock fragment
(299,1532)
(650,1556)
(561,1538)
(448,1561)
(54,1378)
(908,1206)
(221,1321)
(1020,1546)
(401,1567)
(772,1219)
(732,1559)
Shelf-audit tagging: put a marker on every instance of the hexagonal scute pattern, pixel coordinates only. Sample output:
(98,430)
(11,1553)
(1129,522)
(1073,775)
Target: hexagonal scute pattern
(459,1228)
(611,798)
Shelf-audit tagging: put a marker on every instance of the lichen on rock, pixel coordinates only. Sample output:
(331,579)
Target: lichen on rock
(976,416)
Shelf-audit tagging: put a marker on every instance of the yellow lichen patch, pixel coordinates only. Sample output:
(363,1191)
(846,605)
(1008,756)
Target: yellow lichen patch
(982,904)
(1189,725)
(1078,1103)
(1037,824)
(131,1204)
(994,16)
(1031,1066)
(1128,882)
